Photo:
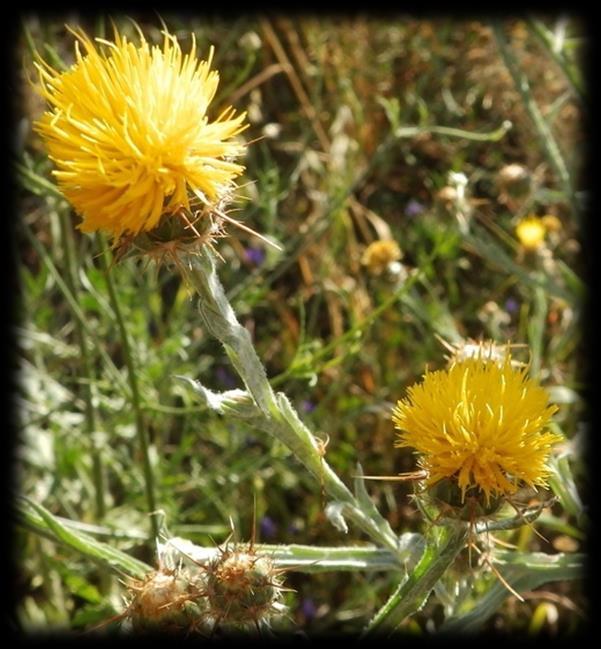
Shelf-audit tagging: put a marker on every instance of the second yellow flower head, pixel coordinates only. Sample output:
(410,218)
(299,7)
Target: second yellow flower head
(481,423)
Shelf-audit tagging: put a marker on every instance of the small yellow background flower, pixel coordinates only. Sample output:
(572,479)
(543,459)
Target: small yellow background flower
(380,254)
(480,422)
(531,232)
(129,133)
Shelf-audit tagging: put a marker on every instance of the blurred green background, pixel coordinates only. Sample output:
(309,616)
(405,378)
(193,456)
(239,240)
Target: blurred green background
(329,171)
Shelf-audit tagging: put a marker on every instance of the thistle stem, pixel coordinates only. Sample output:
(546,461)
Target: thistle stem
(141,431)
(274,413)
(413,593)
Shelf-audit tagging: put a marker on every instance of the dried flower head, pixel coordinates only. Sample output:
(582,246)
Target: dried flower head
(531,233)
(515,180)
(378,256)
(166,600)
(479,423)
(128,131)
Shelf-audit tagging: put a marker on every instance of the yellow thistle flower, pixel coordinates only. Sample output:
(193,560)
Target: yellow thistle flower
(480,423)
(129,134)
(531,233)
(380,254)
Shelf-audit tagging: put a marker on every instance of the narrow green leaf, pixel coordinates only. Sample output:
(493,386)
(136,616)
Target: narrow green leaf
(79,541)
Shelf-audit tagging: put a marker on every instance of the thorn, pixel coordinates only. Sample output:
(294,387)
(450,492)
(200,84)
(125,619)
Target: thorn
(245,228)
(401,477)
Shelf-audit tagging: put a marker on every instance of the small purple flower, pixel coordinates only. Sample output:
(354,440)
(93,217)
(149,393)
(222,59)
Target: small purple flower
(307,406)
(413,208)
(512,305)
(268,527)
(225,377)
(254,256)
(308,609)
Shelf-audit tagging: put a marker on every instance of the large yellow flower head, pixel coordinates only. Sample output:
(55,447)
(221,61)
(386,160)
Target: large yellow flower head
(129,133)
(479,423)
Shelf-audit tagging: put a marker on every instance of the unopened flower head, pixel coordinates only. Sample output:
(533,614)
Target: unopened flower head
(480,423)
(243,588)
(128,131)
(531,233)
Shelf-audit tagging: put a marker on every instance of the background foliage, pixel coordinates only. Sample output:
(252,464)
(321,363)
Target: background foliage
(328,173)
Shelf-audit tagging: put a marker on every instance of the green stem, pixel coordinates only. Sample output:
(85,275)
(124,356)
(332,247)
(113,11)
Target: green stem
(33,52)
(492,136)
(71,265)
(547,140)
(72,303)
(273,412)
(412,594)
(136,403)
(536,328)
(296,558)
